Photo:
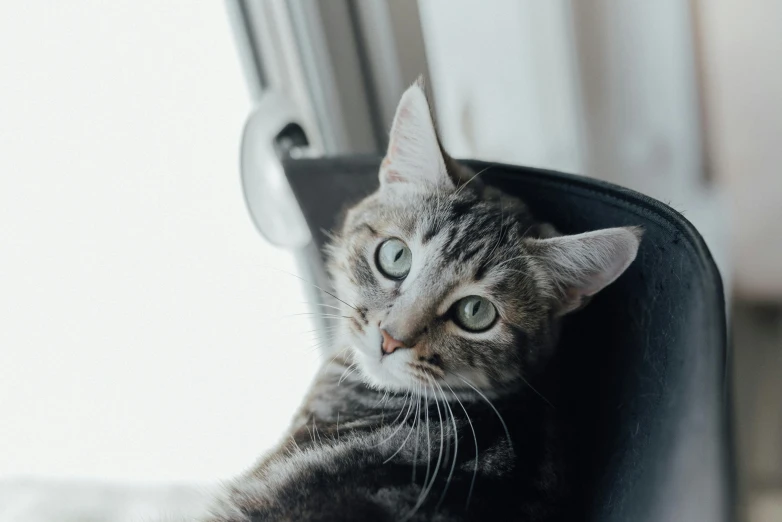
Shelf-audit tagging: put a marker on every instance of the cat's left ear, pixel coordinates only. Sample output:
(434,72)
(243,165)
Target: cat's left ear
(583,264)
(414,158)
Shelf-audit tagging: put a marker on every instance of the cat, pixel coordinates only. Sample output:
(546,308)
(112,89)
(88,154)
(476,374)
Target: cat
(449,302)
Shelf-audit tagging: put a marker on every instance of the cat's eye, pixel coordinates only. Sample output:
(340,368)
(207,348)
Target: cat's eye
(474,313)
(394,259)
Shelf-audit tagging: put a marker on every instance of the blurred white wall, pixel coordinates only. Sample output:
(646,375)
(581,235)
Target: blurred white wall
(504,79)
(143,328)
(599,88)
(741,46)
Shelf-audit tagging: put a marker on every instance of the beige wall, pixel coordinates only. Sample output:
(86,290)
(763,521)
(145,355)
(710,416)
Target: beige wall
(741,51)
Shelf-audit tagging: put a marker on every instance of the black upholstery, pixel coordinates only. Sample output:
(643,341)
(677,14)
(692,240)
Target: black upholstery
(644,364)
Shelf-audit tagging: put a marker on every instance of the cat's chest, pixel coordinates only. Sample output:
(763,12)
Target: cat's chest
(390,456)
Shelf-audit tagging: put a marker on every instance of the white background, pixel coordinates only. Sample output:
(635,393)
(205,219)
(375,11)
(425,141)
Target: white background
(143,328)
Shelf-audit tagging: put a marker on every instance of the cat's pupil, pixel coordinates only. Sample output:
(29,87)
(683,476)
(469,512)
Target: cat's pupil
(476,307)
(398,255)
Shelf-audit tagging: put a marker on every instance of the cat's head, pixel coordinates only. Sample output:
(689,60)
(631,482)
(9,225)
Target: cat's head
(441,281)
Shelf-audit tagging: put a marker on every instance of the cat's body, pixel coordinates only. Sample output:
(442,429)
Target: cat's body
(343,461)
(449,303)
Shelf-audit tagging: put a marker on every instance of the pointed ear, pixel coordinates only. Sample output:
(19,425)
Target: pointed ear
(414,158)
(581,265)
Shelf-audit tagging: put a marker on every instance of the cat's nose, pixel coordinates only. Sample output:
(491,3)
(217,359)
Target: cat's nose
(390,344)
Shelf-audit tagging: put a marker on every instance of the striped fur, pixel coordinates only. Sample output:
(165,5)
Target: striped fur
(449,427)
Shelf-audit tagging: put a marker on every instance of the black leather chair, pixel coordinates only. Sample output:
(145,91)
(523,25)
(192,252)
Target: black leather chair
(644,364)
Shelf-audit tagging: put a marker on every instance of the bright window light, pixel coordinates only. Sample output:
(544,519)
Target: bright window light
(146,330)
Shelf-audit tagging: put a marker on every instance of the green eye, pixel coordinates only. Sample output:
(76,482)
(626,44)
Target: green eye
(474,313)
(394,259)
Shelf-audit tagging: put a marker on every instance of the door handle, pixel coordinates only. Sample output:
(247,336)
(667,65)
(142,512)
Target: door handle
(274,130)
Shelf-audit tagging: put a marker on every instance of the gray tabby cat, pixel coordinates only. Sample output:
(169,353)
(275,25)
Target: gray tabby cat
(450,297)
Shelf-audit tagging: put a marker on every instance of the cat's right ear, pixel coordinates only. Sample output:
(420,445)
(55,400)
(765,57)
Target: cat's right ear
(414,159)
(583,264)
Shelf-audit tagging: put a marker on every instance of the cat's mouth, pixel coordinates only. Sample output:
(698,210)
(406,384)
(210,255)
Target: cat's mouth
(380,369)
(400,370)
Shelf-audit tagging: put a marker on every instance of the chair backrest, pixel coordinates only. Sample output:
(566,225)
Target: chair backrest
(643,366)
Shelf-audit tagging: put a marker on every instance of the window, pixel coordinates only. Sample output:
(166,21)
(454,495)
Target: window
(145,331)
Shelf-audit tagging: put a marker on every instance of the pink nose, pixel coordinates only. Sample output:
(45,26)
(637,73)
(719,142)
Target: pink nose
(389,343)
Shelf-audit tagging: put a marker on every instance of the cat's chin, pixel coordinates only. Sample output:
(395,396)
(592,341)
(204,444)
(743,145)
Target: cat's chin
(386,372)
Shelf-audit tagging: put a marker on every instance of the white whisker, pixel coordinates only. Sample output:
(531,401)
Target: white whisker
(417,430)
(319,288)
(317,314)
(461,187)
(505,426)
(322,304)
(456,446)
(427,488)
(415,423)
(537,392)
(338,354)
(401,424)
(474,438)
(428,439)
(346,373)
